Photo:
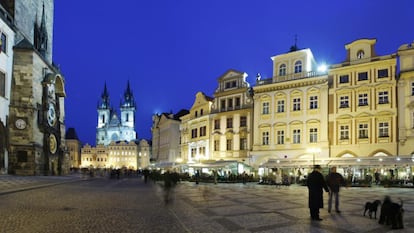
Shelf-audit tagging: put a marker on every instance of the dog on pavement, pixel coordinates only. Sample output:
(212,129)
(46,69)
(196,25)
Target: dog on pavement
(391,213)
(372,208)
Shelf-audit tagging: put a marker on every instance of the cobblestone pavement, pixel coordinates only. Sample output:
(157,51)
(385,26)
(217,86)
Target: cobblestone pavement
(129,205)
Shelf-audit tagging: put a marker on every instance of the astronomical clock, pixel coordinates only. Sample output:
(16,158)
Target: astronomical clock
(51,124)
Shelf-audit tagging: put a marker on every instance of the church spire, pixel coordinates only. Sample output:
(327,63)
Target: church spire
(104,104)
(40,34)
(128,97)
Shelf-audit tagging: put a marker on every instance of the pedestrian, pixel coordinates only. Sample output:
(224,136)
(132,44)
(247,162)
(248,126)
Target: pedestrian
(316,184)
(334,181)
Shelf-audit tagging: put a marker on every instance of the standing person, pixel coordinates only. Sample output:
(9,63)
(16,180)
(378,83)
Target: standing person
(334,181)
(316,184)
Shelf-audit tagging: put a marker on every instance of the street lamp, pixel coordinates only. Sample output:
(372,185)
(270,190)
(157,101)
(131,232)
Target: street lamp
(313,151)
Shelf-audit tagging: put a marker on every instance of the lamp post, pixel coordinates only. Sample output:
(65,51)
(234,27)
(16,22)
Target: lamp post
(313,151)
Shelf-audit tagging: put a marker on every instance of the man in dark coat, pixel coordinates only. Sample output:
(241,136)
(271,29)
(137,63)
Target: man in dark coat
(334,181)
(316,184)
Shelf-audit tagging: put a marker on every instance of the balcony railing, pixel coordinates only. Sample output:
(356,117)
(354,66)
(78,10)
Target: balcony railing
(289,77)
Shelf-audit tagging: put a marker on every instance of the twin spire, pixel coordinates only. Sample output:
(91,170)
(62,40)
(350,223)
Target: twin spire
(127,102)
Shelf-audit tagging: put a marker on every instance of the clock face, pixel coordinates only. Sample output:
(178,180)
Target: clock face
(51,115)
(52,144)
(20,124)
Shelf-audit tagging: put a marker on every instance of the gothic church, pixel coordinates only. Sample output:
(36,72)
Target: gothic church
(111,127)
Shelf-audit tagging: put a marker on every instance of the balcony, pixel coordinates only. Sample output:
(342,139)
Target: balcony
(289,77)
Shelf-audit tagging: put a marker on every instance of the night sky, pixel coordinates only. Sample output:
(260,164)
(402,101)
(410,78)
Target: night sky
(170,50)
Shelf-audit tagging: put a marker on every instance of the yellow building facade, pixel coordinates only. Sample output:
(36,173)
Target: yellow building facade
(290,111)
(363,103)
(231,118)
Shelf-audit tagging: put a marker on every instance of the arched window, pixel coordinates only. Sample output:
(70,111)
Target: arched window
(282,70)
(298,67)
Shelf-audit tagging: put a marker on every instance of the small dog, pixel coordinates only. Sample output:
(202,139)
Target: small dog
(392,213)
(372,208)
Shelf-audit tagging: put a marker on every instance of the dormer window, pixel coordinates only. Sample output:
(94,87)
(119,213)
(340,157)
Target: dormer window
(298,67)
(360,54)
(282,70)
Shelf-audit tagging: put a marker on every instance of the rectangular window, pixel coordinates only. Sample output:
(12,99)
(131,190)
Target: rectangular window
(362,76)
(203,131)
(223,104)
(280,106)
(193,152)
(265,108)
(265,138)
(193,133)
(237,104)
(229,123)
(216,145)
(231,84)
(363,130)
(243,121)
(2,84)
(280,137)
(3,43)
(344,132)
(229,144)
(230,103)
(383,73)
(344,79)
(363,99)
(313,102)
(296,104)
(243,143)
(383,97)
(412,88)
(344,102)
(313,135)
(296,136)
(383,129)
(216,124)
(202,151)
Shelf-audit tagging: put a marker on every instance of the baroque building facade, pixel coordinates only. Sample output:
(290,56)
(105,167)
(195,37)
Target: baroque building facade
(36,127)
(290,110)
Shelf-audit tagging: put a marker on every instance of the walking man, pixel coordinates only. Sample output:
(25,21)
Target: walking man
(316,184)
(334,181)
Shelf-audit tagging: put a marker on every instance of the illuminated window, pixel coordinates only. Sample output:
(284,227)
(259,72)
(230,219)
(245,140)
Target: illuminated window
(296,136)
(229,123)
(193,152)
(344,132)
(344,102)
(383,129)
(363,130)
(298,67)
(363,99)
(265,138)
(313,135)
(265,108)
(313,102)
(296,104)
(282,70)
(383,97)
(280,137)
(280,106)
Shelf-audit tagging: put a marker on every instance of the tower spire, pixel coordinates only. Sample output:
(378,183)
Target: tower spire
(104,104)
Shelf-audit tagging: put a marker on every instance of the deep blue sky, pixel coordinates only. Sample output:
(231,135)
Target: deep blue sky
(170,50)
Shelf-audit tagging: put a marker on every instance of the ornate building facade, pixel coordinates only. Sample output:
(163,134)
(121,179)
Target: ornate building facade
(110,127)
(36,127)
